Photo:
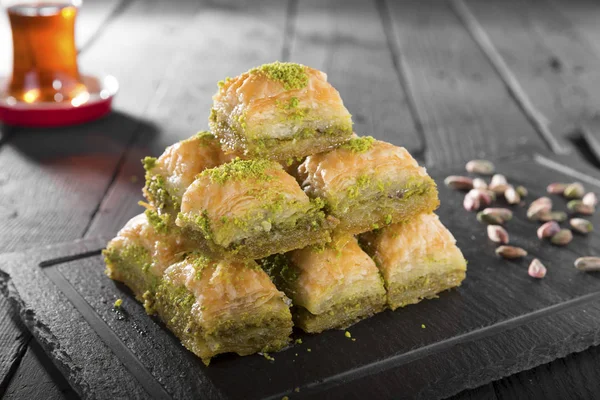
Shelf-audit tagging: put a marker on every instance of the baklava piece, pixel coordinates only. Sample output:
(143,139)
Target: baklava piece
(368,184)
(168,176)
(329,287)
(279,111)
(417,259)
(252,209)
(139,255)
(218,306)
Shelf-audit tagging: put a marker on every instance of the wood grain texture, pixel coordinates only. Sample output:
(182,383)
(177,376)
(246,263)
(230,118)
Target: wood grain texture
(558,68)
(203,56)
(53,180)
(346,40)
(462,104)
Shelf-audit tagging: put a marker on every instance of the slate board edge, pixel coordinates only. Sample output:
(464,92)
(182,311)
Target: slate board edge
(54,254)
(61,252)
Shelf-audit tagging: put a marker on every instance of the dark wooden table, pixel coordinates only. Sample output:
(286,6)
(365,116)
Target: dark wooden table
(450,81)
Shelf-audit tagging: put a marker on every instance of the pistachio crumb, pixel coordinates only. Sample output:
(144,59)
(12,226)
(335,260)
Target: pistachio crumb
(291,75)
(359,145)
(118,303)
(298,341)
(347,334)
(423,326)
(285,398)
(297,389)
(268,357)
(309,350)
(240,169)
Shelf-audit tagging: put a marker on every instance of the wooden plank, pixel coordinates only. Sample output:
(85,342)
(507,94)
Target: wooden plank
(461,102)
(346,40)
(583,15)
(53,180)
(553,64)
(93,14)
(204,56)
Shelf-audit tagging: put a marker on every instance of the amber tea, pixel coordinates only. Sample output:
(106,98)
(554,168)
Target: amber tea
(44,52)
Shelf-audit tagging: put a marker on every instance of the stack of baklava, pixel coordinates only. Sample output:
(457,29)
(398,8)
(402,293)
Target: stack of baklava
(281,216)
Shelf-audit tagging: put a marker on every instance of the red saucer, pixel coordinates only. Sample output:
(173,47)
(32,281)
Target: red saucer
(101,92)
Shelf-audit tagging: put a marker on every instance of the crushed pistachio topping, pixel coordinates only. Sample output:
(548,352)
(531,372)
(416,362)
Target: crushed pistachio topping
(359,145)
(223,82)
(423,326)
(118,303)
(202,135)
(291,75)
(132,253)
(268,357)
(213,115)
(160,223)
(298,341)
(237,170)
(199,262)
(348,334)
(200,221)
(149,163)
(355,189)
(279,268)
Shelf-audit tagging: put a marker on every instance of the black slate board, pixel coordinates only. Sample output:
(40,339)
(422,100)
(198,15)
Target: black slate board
(499,322)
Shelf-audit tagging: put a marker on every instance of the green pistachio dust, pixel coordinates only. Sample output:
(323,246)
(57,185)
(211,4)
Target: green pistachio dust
(291,75)
(237,170)
(359,145)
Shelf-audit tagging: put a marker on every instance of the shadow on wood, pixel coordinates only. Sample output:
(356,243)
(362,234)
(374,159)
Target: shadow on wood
(90,145)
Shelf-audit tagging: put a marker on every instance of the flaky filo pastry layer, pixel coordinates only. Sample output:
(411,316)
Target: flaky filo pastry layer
(331,286)
(279,111)
(220,306)
(212,305)
(168,176)
(252,209)
(368,184)
(139,255)
(417,259)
